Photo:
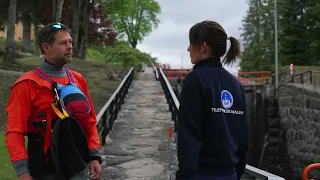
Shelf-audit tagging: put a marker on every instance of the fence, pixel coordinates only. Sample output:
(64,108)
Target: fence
(308,79)
(108,113)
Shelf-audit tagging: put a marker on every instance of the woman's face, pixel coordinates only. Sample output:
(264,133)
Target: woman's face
(197,53)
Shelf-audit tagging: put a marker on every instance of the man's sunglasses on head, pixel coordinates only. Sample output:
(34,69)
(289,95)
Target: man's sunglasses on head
(53,28)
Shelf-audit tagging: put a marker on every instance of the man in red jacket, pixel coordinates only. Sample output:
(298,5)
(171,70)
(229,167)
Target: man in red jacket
(29,110)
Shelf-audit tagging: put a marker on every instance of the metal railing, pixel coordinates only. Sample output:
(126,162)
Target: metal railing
(260,174)
(143,67)
(156,73)
(174,108)
(109,112)
(255,77)
(172,100)
(308,79)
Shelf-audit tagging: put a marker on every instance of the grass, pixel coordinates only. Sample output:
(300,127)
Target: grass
(6,169)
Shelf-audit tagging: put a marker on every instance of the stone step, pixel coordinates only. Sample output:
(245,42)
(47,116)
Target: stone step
(138,146)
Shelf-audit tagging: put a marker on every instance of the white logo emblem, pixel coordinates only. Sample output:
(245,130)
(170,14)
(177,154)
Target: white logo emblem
(226,99)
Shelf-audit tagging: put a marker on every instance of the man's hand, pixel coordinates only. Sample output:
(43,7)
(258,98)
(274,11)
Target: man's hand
(25,176)
(95,170)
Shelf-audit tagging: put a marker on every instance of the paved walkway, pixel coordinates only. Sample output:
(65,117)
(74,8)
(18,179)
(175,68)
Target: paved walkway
(138,147)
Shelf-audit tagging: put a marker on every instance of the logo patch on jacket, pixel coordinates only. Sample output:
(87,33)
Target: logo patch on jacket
(226,99)
(227,102)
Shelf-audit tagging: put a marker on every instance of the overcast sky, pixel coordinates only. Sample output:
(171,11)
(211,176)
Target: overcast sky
(169,42)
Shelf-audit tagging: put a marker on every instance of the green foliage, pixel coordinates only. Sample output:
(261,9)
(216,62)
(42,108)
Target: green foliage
(258,38)
(298,34)
(124,56)
(132,19)
(94,54)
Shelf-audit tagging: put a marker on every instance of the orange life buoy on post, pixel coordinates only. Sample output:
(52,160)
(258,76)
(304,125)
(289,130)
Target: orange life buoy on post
(308,168)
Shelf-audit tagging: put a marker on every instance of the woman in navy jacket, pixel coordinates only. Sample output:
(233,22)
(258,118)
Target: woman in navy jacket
(212,129)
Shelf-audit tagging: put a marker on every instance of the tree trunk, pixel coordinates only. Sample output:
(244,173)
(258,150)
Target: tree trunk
(26,36)
(80,33)
(36,28)
(75,26)
(54,10)
(134,42)
(9,55)
(59,10)
(86,12)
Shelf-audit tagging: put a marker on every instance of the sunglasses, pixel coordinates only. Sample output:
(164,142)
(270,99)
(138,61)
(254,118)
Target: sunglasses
(56,26)
(53,29)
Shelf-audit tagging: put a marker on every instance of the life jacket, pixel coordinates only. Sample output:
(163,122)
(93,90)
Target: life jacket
(55,103)
(69,101)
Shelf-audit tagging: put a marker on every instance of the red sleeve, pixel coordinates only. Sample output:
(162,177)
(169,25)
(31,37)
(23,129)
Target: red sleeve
(92,135)
(18,111)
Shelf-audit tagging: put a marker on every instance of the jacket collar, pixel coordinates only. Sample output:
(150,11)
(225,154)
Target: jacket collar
(52,70)
(210,61)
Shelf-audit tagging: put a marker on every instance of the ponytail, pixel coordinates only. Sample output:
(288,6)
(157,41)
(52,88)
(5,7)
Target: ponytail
(233,53)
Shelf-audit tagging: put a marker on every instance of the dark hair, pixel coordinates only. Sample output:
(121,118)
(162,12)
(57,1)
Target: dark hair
(47,35)
(216,38)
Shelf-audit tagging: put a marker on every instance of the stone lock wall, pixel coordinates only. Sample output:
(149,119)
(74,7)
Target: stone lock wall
(299,112)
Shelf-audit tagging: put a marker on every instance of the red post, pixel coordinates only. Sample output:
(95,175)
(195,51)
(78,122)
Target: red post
(170,133)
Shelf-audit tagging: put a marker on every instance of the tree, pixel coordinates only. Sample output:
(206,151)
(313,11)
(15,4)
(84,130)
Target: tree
(132,19)
(294,26)
(24,15)
(4,4)
(299,35)
(100,28)
(88,24)
(81,20)
(57,10)
(314,34)
(8,58)
(121,54)
(258,37)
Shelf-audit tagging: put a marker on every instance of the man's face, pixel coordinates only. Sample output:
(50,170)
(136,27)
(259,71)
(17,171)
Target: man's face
(60,52)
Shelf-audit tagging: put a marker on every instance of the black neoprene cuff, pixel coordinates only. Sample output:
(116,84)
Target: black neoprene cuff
(98,158)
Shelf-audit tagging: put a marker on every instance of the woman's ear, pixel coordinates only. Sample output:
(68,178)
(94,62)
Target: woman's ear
(204,47)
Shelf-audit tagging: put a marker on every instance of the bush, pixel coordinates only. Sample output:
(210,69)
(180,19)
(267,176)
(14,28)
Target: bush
(123,55)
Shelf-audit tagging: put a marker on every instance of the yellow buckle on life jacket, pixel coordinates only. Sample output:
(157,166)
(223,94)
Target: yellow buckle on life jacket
(62,115)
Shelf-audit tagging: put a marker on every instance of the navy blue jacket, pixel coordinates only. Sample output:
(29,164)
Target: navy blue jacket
(212,130)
